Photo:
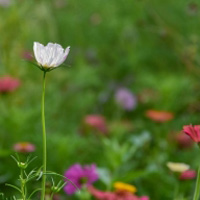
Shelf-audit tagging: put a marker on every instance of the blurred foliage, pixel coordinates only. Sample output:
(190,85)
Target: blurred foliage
(150,47)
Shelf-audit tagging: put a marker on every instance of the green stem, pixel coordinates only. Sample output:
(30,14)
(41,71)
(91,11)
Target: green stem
(197,187)
(22,185)
(44,141)
(51,196)
(176,192)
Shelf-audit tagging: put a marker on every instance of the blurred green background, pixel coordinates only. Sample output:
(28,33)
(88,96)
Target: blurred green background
(148,47)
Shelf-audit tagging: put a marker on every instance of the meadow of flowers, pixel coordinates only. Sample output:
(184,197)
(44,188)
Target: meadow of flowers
(118,118)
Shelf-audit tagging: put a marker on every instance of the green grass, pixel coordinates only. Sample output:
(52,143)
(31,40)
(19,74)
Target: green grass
(140,45)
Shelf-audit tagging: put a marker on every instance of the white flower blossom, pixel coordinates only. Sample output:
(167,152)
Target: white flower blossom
(51,56)
(177,167)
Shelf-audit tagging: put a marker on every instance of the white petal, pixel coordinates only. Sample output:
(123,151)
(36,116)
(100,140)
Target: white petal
(43,54)
(63,56)
(58,55)
(37,47)
(50,49)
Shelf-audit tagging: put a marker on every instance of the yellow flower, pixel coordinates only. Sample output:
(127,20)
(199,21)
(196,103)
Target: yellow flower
(178,167)
(119,186)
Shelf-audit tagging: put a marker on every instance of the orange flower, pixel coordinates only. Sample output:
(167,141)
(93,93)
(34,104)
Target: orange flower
(159,116)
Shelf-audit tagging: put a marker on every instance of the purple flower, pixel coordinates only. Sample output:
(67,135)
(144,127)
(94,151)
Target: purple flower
(126,99)
(80,176)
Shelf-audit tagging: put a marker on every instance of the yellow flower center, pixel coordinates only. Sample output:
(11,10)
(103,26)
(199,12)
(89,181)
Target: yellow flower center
(119,186)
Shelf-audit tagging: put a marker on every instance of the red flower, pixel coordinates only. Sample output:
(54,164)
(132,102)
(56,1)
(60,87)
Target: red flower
(193,132)
(189,174)
(8,84)
(159,116)
(183,140)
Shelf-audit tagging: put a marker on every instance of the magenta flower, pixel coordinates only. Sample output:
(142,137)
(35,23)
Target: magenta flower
(193,132)
(8,84)
(126,99)
(189,174)
(80,176)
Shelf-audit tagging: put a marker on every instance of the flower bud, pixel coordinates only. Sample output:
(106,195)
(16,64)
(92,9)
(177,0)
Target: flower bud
(22,165)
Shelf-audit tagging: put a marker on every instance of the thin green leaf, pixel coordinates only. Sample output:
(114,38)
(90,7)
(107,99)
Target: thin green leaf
(60,182)
(30,161)
(14,198)
(40,175)
(13,157)
(17,155)
(53,182)
(36,190)
(62,186)
(53,173)
(13,186)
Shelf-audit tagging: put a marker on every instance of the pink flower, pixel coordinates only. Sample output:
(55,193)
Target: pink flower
(8,84)
(100,195)
(96,122)
(117,195)
(189,174)
(24,147)
(27,55)
(80,176)
(144,198)
(193,132)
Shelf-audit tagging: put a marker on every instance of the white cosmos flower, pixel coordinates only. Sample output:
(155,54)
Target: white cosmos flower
(50,56)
